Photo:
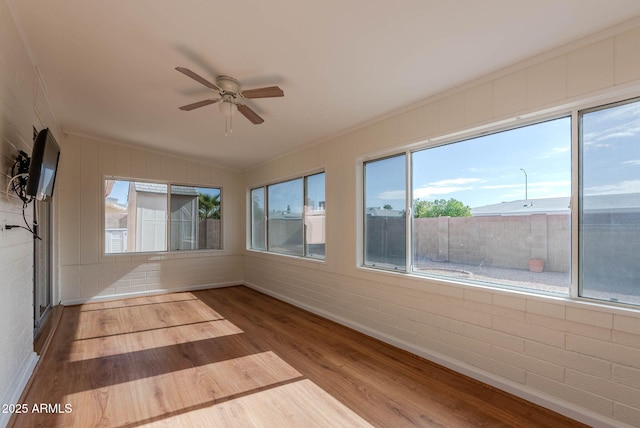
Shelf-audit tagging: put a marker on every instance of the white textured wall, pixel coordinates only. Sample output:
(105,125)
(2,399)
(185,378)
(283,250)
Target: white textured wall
(86,273)
(18,114)
(582,359)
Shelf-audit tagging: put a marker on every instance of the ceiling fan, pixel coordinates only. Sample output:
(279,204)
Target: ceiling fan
(229,95)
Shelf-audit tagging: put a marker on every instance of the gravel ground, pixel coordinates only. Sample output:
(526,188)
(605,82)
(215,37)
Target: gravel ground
(552,282)
(555,282)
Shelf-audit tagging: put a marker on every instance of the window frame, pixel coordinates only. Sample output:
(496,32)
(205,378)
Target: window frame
(250,234)
(407,210)
(269,245)
(579,291)
(167,219)
(574,112)
(265,191)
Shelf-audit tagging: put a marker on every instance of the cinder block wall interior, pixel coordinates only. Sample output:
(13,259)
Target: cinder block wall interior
(579,358)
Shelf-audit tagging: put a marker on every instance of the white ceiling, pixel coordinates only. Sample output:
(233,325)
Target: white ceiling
(108,66)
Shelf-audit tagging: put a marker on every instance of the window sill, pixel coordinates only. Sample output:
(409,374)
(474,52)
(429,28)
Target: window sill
(266,254)
(422,282)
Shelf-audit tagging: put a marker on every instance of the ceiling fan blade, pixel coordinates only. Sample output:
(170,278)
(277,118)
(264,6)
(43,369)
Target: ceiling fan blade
(197,78)
(266,92)
(199,104)
(250,114)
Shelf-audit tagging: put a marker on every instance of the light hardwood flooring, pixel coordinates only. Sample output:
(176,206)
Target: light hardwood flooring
(233,357)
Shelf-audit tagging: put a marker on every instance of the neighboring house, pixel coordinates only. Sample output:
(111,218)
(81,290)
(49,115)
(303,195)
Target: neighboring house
(593,204)
(115,226)
(139,225)
(383,212)
(622,203)
(184,218)
(147,213)
(525,207)
(315,224)
(286,227)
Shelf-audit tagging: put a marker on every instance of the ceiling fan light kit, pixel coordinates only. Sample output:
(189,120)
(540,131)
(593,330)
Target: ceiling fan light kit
(226,108)
(229,95)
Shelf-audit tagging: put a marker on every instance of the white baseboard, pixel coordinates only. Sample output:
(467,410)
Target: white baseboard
(555,404)
(17,385)
(107,297)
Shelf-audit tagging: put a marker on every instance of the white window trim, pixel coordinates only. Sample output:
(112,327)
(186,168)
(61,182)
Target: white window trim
(168,250)
(249,219)
(572,110)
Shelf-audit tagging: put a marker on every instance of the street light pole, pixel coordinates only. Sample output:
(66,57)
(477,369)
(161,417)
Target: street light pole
(526,185)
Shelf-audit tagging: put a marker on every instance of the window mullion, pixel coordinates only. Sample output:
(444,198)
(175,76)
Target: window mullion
(266,218)
(408,215)
(305,198)
(168,218)
(575,203)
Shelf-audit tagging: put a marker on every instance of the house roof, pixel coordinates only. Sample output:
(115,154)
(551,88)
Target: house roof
(150,187)
(283,215)
(621,202)
(524,207)
(184,190)
(383,212)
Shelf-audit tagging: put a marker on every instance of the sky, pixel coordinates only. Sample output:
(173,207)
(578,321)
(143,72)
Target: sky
(611,153)
(484,170)
(528,162)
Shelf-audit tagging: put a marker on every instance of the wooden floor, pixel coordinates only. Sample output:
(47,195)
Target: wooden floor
(234,357)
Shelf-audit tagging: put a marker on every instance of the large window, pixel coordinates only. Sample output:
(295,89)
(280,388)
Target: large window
(289,217)
(496,208)
(284,223)
(195,218)
(314,216)
(258,218)
(147,217)
(610,203)
(385,199)
(492,209)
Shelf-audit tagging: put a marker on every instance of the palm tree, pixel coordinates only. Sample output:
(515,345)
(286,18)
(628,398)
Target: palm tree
(209,206)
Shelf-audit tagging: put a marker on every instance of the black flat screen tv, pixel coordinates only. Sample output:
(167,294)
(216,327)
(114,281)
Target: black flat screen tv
(43,166)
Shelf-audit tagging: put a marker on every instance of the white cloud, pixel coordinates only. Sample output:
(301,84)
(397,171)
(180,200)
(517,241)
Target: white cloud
(487,170)
(615,123)
(561,183)
(444,187)
(630,186)
(453,181)
(535,184)
(427,192)
(558,151)
(502,186)
(632,162)
(512,196)
(392,195)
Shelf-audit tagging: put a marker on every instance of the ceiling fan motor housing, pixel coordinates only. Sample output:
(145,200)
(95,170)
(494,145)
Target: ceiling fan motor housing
(228,84)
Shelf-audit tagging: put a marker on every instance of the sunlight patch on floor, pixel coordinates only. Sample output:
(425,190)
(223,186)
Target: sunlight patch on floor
(180,392)
(297,404)
(129,319)
(144,340)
